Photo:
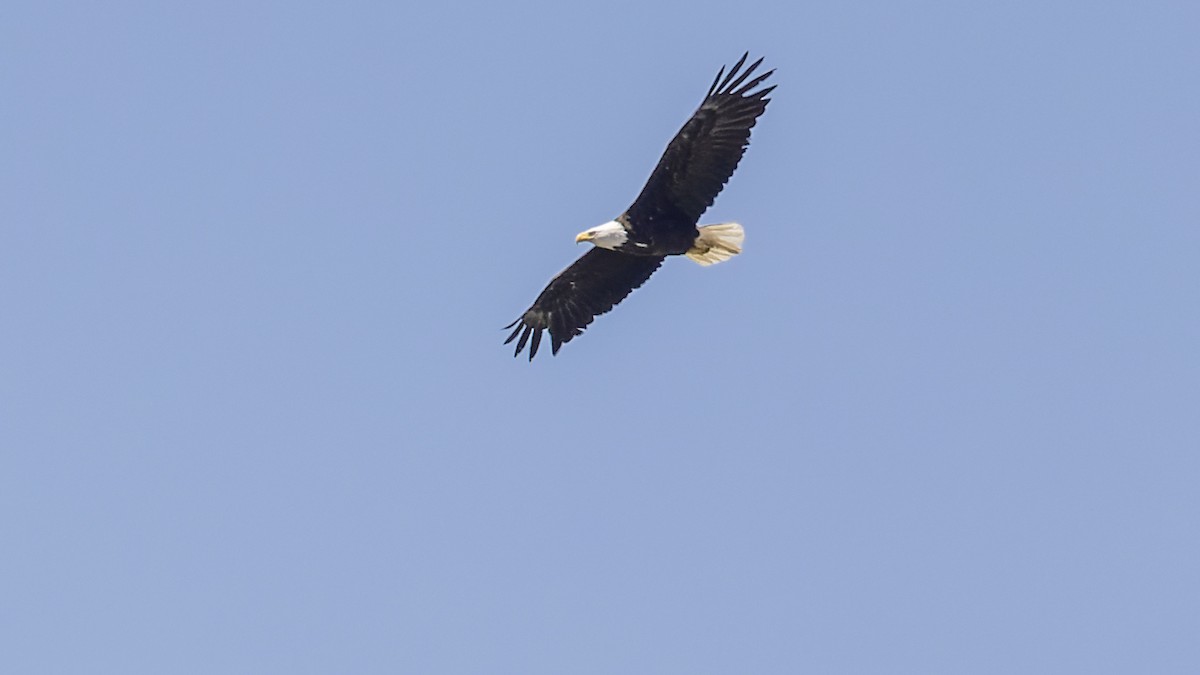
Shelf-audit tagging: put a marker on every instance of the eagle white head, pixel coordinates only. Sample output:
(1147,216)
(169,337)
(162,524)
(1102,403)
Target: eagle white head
(610,235)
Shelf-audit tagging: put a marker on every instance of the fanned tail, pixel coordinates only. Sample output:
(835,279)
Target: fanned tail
(717,243)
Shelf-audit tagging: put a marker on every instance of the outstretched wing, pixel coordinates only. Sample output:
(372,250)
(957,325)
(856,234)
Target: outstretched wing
(588,288)
(702,156)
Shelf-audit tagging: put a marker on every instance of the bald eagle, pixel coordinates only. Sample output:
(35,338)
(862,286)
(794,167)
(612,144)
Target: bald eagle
(662,220)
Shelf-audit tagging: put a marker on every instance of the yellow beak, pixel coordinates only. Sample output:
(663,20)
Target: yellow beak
(583,236)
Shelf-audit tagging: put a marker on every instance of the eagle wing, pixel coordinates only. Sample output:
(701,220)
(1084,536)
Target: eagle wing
(588,288)
(703,155)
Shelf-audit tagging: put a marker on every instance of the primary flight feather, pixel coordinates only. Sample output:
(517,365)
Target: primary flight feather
(662,221)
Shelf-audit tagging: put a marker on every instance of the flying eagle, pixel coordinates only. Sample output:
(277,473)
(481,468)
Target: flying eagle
(662,220)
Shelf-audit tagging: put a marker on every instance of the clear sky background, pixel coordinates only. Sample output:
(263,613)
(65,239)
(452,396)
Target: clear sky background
(942,416)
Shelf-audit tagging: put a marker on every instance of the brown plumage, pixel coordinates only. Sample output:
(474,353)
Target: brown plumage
(662,220)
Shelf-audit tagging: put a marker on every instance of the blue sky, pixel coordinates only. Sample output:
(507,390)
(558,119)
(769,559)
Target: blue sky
(255,413)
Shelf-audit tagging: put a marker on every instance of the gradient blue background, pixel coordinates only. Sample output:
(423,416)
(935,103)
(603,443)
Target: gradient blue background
(943,415)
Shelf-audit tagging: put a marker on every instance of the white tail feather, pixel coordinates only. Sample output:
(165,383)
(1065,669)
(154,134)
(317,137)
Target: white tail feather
(717,243)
